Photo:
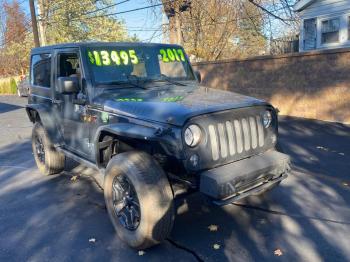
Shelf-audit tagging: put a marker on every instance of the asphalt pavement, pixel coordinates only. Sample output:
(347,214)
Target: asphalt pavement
(63,217)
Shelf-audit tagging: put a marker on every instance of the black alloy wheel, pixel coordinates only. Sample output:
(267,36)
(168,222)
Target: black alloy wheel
(125,202)
(40,150)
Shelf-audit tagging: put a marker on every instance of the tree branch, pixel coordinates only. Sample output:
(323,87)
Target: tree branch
(268,12)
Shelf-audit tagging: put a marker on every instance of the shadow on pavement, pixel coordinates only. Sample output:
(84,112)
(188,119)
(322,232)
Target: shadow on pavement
(4,107)
(317,147)
(307,218)
(57,217)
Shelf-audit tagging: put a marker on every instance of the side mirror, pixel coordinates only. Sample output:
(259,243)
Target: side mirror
(68,85)
(198,76)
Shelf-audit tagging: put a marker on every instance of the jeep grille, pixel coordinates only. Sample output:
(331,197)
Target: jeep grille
(232,135)
(235,136)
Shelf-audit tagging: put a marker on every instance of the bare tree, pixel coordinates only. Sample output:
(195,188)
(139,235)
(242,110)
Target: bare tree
(217,29)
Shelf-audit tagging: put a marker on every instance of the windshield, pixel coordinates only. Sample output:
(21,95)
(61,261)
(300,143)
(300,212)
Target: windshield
(110,65)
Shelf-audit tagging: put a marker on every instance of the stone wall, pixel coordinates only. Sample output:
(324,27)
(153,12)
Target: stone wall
(311,85)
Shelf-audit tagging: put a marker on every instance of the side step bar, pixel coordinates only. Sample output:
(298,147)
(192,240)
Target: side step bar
(98,176)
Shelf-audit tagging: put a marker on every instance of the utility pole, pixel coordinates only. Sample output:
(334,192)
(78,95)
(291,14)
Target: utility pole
(41,23)
(34,23)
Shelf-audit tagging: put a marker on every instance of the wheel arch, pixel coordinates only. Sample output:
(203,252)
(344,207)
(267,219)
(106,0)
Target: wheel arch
(33,114)
(130,136)
(40,113)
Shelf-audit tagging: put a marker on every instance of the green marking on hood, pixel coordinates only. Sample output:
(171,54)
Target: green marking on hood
(164,99)
(129,100)
(172,99)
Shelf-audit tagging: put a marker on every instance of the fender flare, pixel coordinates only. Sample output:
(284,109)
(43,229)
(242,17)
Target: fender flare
(140,132)
(47,120)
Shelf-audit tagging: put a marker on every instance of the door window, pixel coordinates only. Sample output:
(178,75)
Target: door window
(41,70)
(68,65)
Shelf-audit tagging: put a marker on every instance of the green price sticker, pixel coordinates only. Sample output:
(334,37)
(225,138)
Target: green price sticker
(114,57)
(172,55)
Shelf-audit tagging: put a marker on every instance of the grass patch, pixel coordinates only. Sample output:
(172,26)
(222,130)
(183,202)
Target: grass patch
(8,86)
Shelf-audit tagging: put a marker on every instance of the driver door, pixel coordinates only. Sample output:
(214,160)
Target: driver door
(72,115)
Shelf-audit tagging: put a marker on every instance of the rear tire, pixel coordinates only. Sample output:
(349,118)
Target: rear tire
(47,158)
(150,191)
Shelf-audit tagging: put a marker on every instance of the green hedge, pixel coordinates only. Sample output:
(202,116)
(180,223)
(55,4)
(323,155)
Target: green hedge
(8,86)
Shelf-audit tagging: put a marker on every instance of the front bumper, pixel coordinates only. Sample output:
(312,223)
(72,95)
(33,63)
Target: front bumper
(234,181)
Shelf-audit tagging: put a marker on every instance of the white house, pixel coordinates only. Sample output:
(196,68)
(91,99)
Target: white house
(324,24)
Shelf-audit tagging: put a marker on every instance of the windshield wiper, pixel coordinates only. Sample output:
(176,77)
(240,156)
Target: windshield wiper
(167,78)
(137,78)
(124,83)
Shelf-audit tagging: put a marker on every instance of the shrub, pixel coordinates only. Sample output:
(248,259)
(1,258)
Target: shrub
(8,85)
(13,86)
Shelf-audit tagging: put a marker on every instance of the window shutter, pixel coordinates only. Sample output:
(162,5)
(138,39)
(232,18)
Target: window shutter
(310,34)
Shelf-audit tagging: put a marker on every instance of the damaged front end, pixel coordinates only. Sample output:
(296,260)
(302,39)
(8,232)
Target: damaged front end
(236,153)
(234,181)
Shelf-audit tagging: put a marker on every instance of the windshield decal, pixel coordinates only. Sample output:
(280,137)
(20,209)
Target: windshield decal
(172,55)
(113,57)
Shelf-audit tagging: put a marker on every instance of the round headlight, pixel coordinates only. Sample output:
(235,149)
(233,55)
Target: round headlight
(192,135)
(267,119)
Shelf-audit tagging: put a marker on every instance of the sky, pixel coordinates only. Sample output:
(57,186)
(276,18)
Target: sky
(146,20)
(146,24)
(142,23)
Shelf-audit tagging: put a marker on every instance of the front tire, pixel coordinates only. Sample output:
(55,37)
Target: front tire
(139,199)
(47,158)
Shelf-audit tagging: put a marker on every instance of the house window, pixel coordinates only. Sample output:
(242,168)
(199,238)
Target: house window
(330,31)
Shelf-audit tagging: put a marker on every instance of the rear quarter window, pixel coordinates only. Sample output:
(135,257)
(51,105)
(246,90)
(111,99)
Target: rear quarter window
(41,70)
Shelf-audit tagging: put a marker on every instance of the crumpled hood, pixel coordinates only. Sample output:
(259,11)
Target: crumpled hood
(172,104)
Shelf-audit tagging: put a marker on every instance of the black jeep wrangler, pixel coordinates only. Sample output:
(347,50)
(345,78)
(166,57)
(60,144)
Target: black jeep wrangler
(137,113)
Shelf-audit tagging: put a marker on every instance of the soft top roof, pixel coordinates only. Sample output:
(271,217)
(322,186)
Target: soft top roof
(49,48)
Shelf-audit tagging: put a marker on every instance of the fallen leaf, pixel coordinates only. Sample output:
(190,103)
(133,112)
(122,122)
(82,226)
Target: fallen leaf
(141,252)
(213,228)
(278,252)
(216,246)
(92,240)
(74,178)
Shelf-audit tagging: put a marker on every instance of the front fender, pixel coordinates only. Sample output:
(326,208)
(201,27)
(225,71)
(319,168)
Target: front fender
(168,138)
(43,113)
